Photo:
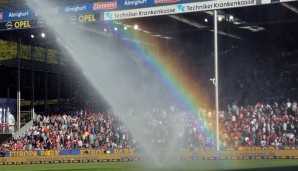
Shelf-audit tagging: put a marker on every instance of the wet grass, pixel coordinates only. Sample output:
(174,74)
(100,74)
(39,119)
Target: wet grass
(200,165)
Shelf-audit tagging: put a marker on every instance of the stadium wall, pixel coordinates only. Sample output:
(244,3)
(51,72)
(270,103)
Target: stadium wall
(122,155)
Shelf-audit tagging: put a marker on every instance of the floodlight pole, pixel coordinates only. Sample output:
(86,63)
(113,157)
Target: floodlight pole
(59,77)
(19,83)
(216,79)
(46,80)
(32,82)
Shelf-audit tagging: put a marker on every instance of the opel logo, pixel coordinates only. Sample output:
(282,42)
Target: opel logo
(9,25)
(73,19)
(40,22)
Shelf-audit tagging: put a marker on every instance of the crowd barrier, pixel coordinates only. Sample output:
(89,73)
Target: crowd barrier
(137,154)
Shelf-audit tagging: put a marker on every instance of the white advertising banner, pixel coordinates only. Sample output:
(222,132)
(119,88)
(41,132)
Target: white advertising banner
(177,9)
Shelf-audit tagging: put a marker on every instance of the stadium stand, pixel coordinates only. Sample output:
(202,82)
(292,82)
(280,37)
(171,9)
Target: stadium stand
(104,130)
(259,125)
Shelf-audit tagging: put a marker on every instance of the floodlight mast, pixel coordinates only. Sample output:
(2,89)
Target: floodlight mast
(18,84)
(216,79)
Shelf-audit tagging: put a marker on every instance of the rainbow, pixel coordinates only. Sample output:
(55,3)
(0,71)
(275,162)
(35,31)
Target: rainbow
(176,79)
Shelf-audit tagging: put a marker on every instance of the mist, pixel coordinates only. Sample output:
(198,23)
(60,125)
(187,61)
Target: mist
(136,95)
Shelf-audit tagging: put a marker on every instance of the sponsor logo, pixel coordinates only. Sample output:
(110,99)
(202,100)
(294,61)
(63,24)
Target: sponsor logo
(47,12)
(175,8)
(134,2)
(181,8)
(165,1)
(144,12)
(18,14)
(1,15)
(82,18)
(22,24)
(87,18)
(109,15)
(73,19)
(233,4)
(9,25)
(18,24)
(75,8)
(105,5)
(40,22)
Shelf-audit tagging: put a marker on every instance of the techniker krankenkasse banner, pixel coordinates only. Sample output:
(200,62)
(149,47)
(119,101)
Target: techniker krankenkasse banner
(177,9)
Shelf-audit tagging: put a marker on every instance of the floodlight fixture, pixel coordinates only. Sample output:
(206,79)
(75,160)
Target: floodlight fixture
(43,35)
(136,27)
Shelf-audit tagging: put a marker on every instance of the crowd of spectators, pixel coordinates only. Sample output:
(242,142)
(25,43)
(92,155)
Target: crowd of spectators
(86,130)
(164,128)
(104,130)
(258,125)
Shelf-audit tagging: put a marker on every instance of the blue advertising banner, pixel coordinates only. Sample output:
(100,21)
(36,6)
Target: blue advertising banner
(156,2)
(70,152)
(259,148)
(122,9)
(76,9)
(243,150)
(18,15)
(42,153)
(129,4)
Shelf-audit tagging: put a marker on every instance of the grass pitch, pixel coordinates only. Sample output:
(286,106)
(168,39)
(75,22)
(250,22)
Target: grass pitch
(200,165)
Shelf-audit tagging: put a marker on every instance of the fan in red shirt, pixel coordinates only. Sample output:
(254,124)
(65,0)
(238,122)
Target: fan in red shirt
(53,144)
(68,144)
